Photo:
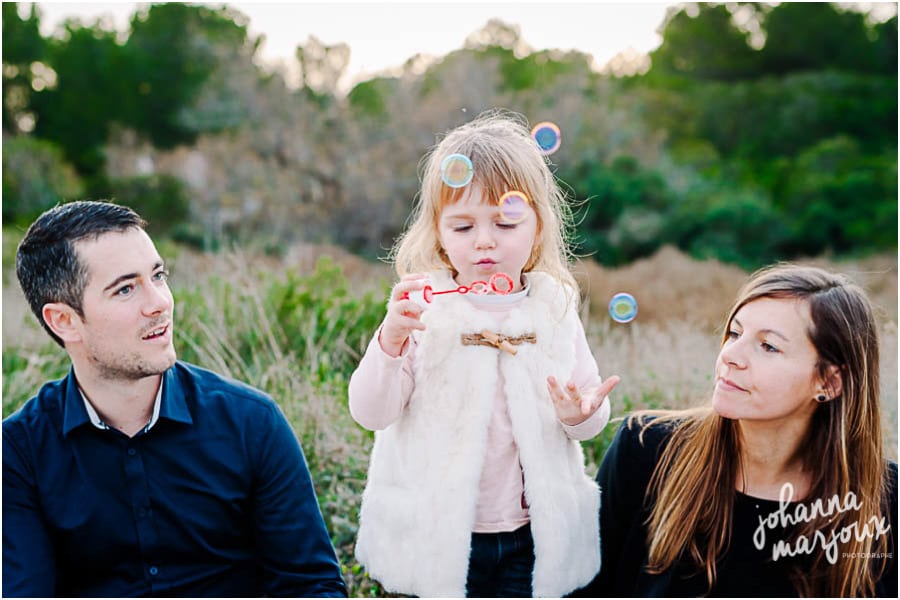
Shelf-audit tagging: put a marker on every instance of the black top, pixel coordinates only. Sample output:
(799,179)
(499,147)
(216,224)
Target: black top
(743,571)
(214,499)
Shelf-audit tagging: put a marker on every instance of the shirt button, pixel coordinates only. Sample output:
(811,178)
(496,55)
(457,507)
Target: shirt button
(132,452)
(154,570)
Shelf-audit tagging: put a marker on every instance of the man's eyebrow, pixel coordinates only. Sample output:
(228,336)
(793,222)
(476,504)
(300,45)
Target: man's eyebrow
(158,264)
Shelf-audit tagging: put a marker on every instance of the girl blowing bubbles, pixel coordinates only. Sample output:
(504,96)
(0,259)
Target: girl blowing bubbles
(476,482)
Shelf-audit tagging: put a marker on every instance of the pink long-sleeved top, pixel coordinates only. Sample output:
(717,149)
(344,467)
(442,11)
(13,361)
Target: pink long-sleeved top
(381,387)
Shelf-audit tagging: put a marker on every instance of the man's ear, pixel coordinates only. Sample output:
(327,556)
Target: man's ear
(63,321)
(832,381)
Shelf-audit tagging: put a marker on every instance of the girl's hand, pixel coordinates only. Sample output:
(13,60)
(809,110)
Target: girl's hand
(402,315)
(574,406)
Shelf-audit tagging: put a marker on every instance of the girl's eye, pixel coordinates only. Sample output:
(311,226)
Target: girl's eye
(506,225)
(462,228)
(732,335)
(769,347)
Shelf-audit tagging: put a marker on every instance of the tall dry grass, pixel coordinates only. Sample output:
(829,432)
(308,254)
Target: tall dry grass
(294,331)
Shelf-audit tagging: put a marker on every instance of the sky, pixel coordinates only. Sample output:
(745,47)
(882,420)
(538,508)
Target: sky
(382,35)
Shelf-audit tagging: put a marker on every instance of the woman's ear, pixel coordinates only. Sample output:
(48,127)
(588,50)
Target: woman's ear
(63,321)
(832,381)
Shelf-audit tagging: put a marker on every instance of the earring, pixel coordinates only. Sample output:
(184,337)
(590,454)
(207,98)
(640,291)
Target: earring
(821,398)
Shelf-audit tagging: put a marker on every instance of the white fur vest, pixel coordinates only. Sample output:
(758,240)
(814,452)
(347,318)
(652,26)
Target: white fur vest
(419,504)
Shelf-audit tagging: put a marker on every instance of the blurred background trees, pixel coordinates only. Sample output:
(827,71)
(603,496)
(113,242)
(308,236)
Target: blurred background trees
(757,133)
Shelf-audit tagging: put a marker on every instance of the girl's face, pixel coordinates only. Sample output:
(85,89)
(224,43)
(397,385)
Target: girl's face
(766,369)
(480,243)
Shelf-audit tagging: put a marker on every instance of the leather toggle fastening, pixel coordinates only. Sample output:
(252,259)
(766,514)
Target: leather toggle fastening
(497,340)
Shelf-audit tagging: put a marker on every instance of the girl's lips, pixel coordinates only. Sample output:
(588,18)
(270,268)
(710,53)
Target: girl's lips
(729,386)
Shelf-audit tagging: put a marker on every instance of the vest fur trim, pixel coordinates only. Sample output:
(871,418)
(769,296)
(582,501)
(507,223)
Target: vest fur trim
(418,508)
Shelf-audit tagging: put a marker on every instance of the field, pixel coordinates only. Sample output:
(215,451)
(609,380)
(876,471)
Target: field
(296,325)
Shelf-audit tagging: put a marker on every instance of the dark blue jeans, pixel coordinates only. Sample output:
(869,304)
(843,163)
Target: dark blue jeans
(501,564)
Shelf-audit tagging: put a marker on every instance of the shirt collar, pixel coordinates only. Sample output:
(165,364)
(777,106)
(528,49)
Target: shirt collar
(170,403)
(97,422)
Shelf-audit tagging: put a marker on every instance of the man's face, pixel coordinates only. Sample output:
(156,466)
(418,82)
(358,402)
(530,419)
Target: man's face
(126,332)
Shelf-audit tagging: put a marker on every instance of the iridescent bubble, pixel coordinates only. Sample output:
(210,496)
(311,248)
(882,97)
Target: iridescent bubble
(548,136)
(513,206)
(456,170)
(623,308)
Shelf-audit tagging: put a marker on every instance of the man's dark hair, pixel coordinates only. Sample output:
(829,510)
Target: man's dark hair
(47,264)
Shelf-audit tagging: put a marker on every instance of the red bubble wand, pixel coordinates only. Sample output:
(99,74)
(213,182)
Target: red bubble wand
(478,287)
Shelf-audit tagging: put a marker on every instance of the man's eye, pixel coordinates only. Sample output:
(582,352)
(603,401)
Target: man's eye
(161,276)
(125,290)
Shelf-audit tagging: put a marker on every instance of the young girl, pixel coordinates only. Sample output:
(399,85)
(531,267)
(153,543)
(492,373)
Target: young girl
(476,482)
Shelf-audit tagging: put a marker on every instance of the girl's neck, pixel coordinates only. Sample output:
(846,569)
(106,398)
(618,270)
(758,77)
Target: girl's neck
(771,456)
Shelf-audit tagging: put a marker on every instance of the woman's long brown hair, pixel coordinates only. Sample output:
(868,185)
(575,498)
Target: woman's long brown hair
(692,490)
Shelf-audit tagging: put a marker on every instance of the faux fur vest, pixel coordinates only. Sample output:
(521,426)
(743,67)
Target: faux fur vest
(419,505)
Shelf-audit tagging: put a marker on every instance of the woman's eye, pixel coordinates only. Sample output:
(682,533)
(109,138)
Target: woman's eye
(506,225)
(769,347)
(732,335)
(462,228)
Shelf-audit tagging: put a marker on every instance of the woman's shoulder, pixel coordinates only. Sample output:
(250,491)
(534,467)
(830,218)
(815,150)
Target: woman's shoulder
(643,436)
(890,476)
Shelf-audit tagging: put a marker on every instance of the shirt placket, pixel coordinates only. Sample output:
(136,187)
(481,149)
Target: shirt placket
(142,511)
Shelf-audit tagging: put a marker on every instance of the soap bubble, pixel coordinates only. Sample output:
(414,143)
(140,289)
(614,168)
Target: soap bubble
(513,207)
(548,136)
(623,308)
(456,170)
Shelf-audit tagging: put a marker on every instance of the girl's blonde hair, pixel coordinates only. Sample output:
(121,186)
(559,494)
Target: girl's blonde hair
(843,451)
(504,158)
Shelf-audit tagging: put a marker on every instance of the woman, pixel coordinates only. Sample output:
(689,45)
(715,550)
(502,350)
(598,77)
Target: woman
(779,488)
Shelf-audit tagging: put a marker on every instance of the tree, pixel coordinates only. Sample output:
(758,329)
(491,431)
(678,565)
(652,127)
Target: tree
(172,51)
(23,47)
(90,93)
(704,46)
(807,36)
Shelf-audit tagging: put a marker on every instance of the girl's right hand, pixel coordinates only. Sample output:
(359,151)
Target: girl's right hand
(402,314)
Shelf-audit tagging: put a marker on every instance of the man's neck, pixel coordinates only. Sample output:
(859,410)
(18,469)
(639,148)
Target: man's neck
(126,405)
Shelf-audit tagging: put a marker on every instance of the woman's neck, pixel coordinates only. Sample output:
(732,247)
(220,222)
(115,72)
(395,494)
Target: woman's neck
(771,456)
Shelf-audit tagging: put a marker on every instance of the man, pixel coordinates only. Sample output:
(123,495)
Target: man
(138,474)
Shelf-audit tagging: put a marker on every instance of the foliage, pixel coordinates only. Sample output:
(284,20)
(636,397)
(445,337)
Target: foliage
(716,148)
(162,200)
(23,46)
(35,178)
(706,46)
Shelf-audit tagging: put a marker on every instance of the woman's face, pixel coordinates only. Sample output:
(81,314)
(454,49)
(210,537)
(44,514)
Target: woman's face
(766,369)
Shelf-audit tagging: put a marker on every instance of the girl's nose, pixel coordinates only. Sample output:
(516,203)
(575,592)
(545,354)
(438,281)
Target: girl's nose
(484,240)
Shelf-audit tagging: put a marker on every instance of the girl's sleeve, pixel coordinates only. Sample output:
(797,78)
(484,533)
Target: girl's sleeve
(587,375)
(381,385)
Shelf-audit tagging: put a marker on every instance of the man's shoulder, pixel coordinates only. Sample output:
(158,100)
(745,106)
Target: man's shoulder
(210,386)
(44,405)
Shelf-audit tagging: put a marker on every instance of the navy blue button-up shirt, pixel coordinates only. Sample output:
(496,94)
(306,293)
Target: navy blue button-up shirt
(215,499)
